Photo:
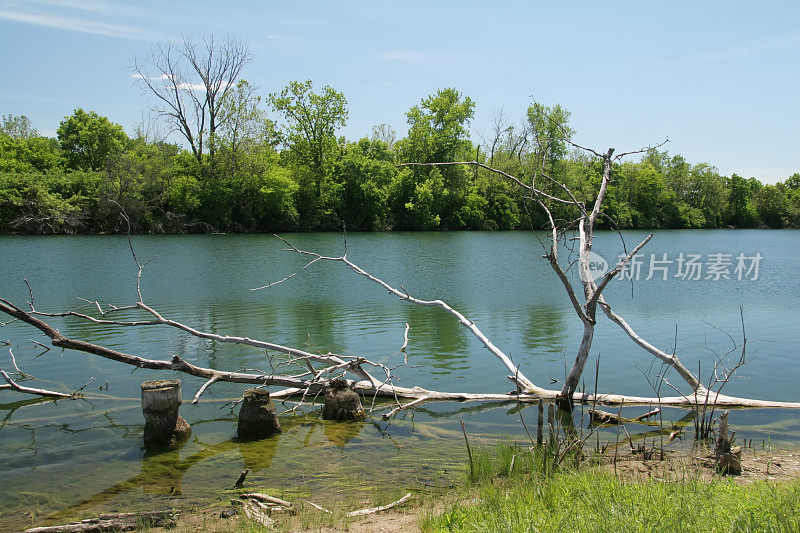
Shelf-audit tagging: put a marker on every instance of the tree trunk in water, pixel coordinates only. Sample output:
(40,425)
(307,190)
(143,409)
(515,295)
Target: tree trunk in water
(341,402)
(257,417)
(164,428)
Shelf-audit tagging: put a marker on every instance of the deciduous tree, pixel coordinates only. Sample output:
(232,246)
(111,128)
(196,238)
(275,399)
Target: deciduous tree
(88,139)
(190,83)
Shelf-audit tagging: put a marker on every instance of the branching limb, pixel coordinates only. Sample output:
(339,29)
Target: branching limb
(670,359)
(202,389)
(11,384)
(506,175)
(523,382)
(613,272)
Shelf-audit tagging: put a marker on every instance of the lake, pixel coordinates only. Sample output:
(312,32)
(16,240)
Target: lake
(86,455)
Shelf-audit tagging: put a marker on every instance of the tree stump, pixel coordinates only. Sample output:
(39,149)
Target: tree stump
(258,418)
(728,457)
(341,402)
(163,426)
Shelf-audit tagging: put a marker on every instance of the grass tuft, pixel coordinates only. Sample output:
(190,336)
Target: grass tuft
(535,497)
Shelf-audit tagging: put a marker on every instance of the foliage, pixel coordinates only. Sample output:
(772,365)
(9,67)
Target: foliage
(34,154)
(88,139)
(17,127)
(361,179)
(592,499)
(435,197)
(258,175)
(47,203)
(309,136)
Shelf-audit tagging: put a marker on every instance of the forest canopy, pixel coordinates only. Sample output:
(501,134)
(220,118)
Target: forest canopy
(252,162)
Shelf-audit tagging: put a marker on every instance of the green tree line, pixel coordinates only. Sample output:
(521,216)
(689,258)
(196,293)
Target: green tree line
(276,163)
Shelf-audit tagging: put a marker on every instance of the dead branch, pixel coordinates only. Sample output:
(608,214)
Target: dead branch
(298,385)
(373,510)
(266,498)
(522,381)
(28,390)
(202,389)
(317,507)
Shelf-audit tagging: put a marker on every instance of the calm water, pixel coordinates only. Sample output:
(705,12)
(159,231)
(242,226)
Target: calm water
(88,453)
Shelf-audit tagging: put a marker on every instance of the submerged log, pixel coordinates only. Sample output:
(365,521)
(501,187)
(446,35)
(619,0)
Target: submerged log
(597,417)
(341,402)
(258,418)
(163,426)
(114,522)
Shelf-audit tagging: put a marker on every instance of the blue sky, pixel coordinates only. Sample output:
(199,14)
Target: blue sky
(719,79)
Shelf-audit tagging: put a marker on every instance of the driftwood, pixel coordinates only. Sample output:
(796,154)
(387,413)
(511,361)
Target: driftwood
(257,512)
(266,498)
(596,416)
(372,379)
(114,522)
(373,510)
(318,507)
(242,476)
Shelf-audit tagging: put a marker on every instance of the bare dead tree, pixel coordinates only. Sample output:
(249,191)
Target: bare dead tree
(190,83)
(591,289)
(305,374)
(500,128)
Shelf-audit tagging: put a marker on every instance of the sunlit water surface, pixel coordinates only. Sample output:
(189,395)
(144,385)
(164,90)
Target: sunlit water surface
(79,457)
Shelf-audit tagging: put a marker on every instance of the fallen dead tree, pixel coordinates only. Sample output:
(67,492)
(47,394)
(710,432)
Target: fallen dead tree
(305,375)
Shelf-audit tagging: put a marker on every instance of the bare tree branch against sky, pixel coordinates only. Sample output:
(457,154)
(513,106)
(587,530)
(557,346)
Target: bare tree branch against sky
(718,79)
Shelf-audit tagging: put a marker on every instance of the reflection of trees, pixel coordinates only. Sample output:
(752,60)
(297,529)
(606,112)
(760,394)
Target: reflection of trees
(340,433)
(163,473)
(545,330)
(437,338)
(317,320)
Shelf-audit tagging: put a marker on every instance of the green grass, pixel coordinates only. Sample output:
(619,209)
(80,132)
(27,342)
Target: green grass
(534,498)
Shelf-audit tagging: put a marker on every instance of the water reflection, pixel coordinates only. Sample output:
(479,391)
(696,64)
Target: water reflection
(258,454)
(68,449)
(340,433)
(545,330)
(437,338)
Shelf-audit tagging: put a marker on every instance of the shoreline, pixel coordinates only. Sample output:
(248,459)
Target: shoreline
(779,468)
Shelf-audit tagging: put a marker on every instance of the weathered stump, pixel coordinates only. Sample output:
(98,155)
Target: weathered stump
(728,457)
(163,426)
(258,418)
(341,402)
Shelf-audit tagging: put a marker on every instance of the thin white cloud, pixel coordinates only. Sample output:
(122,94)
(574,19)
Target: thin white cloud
(401,55)
(191,86)
(98,7)
(77,24)
(776,43)
(169,84)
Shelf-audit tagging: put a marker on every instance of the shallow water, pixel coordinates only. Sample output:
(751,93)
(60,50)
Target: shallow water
(87,453)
